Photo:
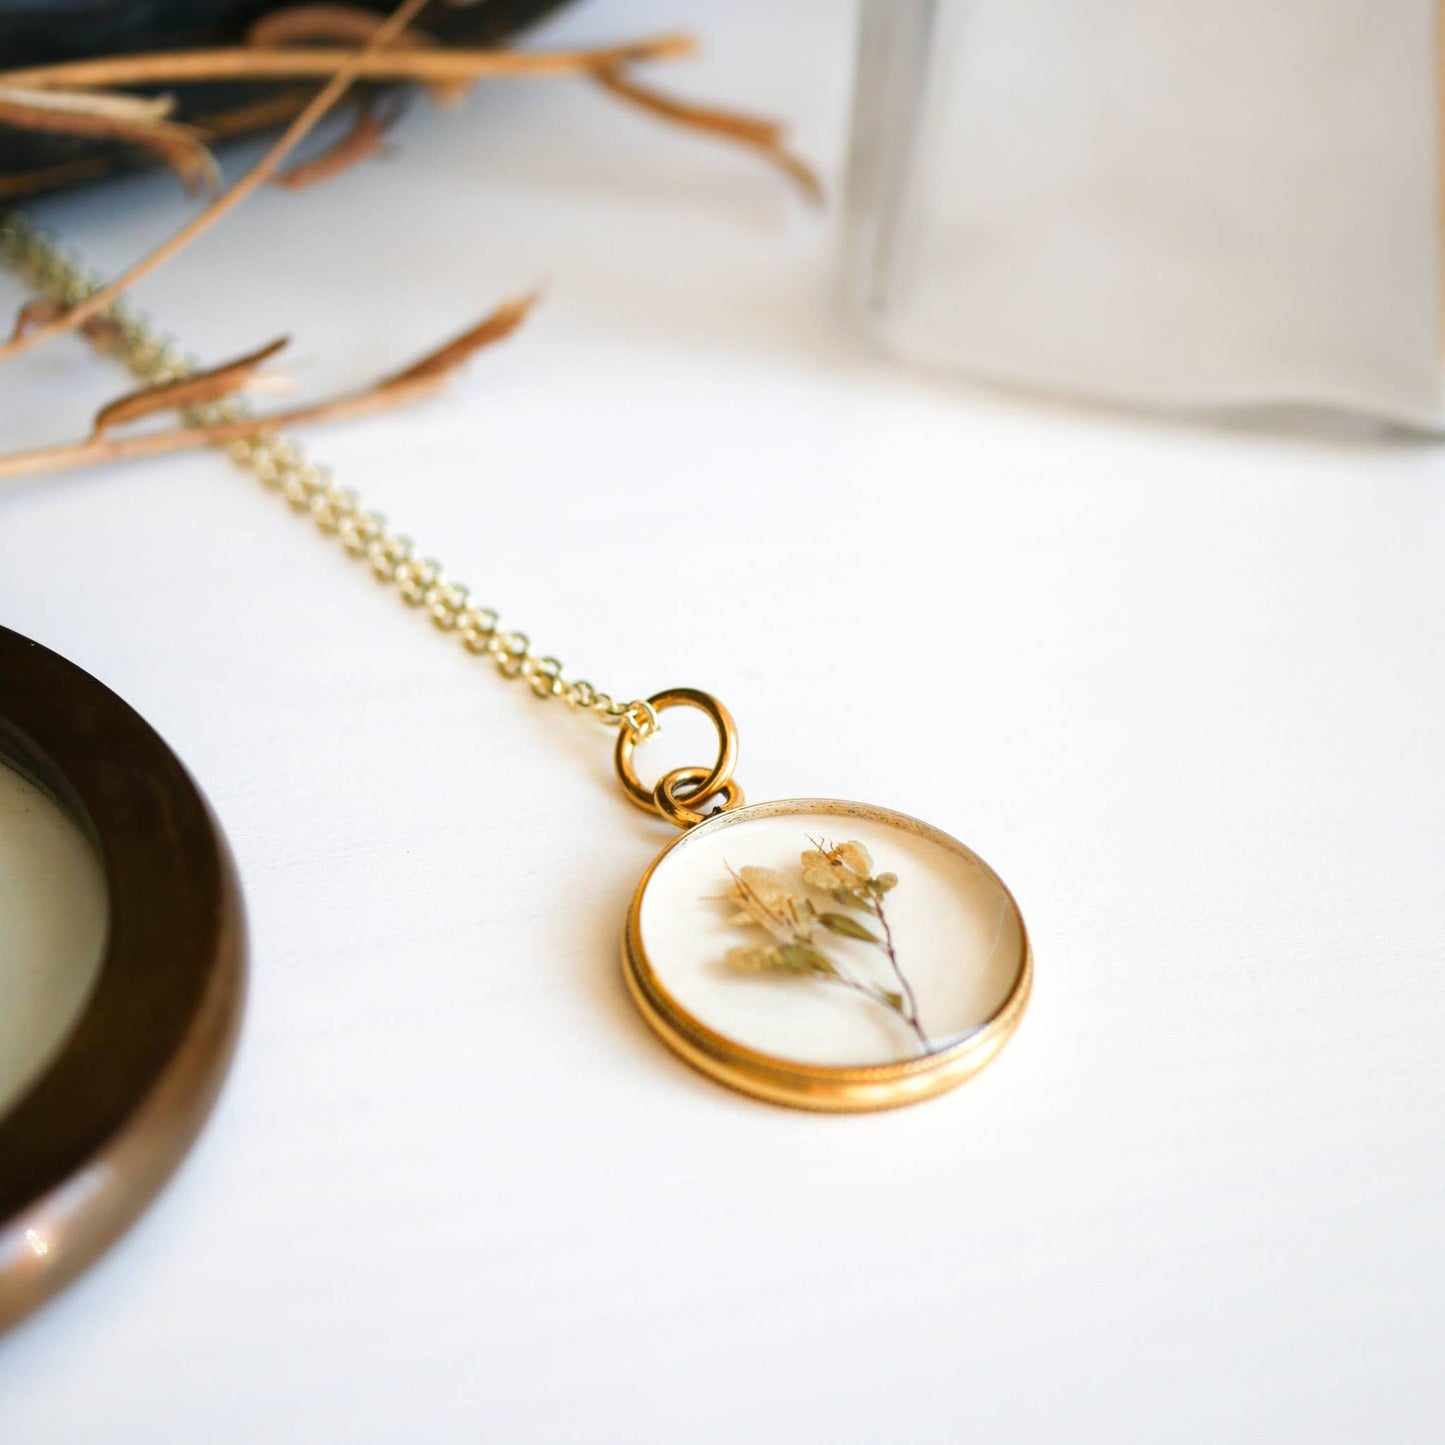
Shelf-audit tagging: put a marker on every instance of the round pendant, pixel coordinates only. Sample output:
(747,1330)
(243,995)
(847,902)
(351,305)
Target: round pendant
(827,955)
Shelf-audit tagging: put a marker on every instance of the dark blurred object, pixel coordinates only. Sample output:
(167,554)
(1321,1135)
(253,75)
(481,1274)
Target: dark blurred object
(43,32)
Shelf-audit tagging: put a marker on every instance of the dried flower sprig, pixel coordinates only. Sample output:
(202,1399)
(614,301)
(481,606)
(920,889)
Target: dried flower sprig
(341,80)
(845,872)
(78,94)
(282,45)
(793,922)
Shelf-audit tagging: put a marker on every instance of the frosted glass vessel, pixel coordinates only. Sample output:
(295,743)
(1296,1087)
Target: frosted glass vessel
(1209,203)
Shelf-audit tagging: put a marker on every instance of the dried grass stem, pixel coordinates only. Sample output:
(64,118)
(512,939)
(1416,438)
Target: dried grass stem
(285,62)
(341,80)
(421,379)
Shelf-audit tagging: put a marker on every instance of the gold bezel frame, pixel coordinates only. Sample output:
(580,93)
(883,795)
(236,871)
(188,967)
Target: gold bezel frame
(828,1088)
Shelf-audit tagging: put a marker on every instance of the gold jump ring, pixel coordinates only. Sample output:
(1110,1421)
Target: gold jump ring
(684,811)
(709,782)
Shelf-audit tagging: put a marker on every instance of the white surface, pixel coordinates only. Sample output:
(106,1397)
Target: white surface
(1182,687)
(1204,203)
(52,926)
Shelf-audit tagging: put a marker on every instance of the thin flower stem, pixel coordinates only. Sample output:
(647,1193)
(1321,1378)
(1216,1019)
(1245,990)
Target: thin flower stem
(879,997)
(912,1015)
(867,990)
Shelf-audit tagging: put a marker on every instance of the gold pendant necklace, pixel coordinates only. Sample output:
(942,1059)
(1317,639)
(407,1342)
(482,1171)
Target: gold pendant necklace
(813,952)
(823,954)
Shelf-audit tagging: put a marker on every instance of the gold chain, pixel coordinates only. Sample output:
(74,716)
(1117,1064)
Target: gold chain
(282,465)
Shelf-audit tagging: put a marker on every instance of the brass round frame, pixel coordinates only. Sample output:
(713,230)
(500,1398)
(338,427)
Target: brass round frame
(821,1087)
(98,1132)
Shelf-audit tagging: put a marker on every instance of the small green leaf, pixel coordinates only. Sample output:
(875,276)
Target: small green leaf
(803,958)
(849,899)
(886,882)
(848,927)
(893,1000)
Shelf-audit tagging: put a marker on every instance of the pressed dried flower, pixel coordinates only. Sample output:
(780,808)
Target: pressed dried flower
(749,958)
(844,872)
(767,901)
(786,958)
(818,870)
(769,888)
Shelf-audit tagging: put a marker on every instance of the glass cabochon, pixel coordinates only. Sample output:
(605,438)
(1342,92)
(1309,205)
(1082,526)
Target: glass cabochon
(831,934)
(53,915)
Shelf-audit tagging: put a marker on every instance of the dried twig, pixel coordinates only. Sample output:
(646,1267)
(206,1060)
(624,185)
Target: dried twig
(421,379)
(341,80)
(365,138)
(65,173)
(437,365)
(244,62)
(101,331)
(219,381)
(346,25)
(109,104)
(103,116)
(73,95)
(763,136)
(265,114)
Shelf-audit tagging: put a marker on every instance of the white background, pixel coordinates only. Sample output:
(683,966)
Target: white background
(1180,685)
